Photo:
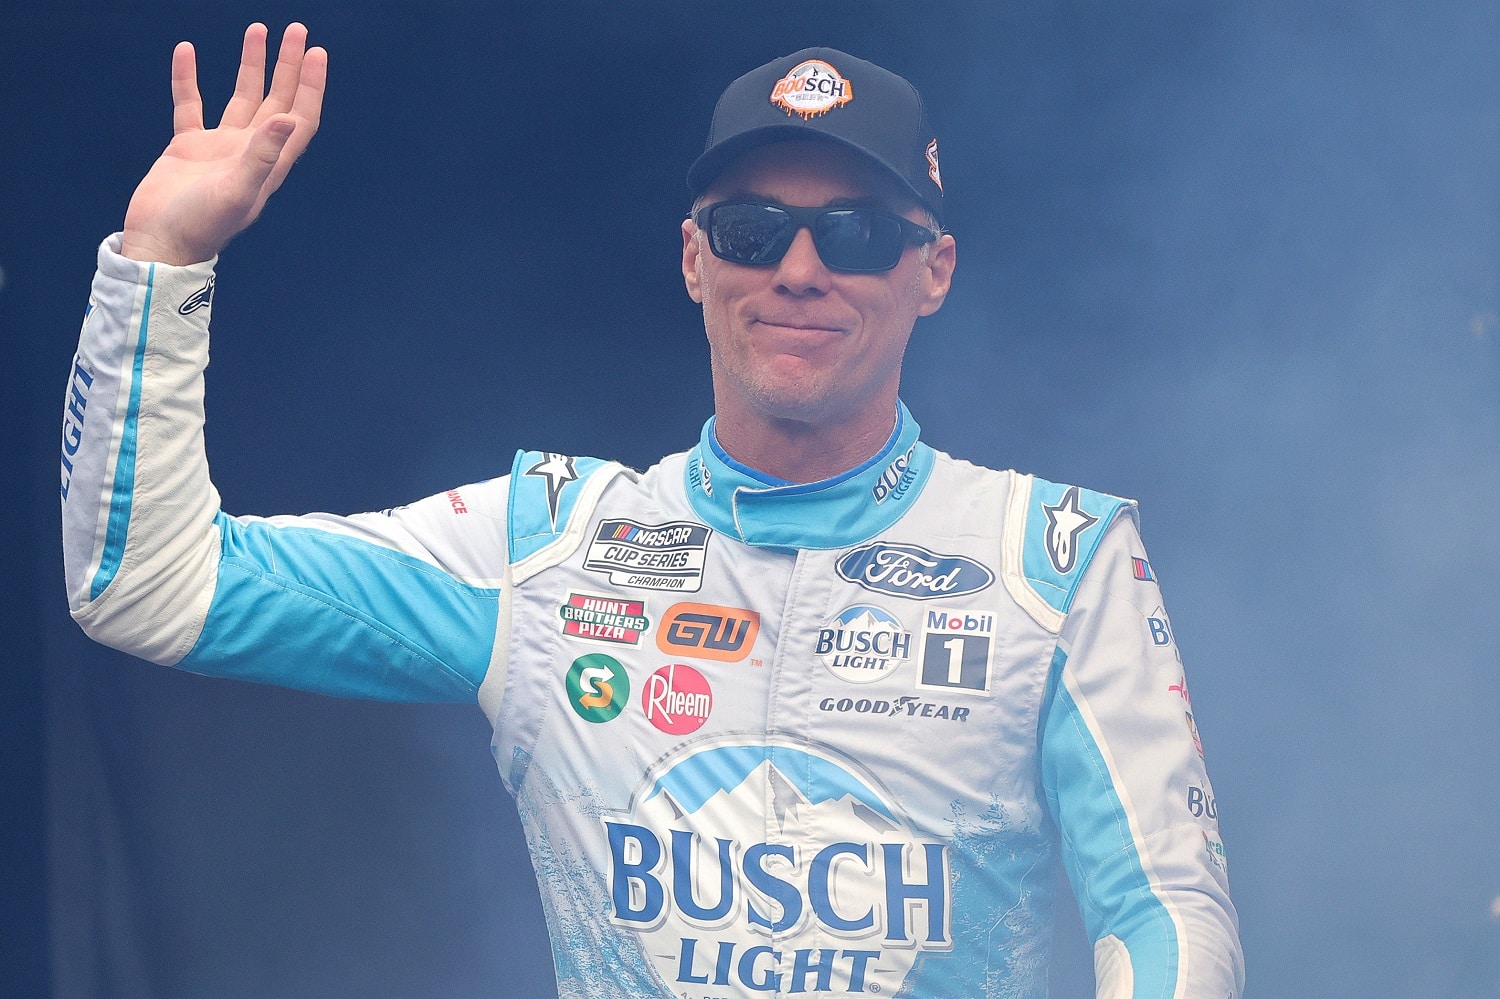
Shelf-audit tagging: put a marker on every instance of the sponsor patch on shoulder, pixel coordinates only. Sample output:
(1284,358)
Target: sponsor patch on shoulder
(650,556)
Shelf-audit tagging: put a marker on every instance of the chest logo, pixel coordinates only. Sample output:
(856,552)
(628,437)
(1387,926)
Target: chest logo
(598,687)
(708,631)
(913,571)
(863,644)
(604,619)
(650,556)
(956,651)
(1065,522)
(677,699)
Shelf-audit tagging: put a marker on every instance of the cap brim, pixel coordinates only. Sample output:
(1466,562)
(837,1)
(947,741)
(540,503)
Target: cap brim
(706,168)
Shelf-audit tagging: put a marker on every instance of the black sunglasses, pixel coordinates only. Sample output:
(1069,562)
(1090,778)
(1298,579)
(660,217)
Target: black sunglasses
(852,240)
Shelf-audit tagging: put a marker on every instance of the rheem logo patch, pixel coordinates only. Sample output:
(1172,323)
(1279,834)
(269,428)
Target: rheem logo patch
(677,699)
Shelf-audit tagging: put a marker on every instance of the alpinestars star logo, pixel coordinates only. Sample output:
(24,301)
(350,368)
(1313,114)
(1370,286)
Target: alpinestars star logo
(558,470)
(1065,522)
(200,299)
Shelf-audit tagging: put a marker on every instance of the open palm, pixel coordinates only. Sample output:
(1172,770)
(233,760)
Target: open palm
(210,183)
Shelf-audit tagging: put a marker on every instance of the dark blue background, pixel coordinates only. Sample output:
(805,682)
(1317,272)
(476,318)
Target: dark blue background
(1240,262)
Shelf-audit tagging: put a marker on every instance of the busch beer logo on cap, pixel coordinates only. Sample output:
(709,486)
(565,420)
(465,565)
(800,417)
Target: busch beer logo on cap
(708,631)
(811,88)
(863,644)
(913,571)
(677,699)
(777,868)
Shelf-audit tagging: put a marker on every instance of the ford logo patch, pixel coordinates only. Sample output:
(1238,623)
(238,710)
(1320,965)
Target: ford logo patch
(913,571)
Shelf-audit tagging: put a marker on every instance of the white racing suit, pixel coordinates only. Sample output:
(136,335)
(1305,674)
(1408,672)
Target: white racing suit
(765,739)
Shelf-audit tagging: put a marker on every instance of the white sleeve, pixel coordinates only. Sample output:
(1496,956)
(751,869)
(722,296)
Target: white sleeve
(399,605)
(1124,777)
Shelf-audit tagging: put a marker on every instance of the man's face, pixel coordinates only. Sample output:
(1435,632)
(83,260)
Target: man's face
(794,340)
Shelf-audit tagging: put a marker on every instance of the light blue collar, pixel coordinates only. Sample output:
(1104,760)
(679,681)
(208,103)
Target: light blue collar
(832,513)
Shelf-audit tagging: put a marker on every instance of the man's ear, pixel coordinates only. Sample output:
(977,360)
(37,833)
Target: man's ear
(692,276)
(938,276)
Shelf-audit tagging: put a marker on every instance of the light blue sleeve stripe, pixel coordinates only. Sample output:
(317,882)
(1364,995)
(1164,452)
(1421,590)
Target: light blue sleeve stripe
(1099,852)
(306,608)
(124,484)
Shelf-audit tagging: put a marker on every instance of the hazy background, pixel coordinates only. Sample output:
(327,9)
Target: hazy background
(1239,261)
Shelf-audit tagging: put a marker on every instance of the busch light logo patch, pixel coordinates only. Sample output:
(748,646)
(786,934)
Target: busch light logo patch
(913,571)
(604,619)
(863,644)
(650,556)
(896,479)
(774,868)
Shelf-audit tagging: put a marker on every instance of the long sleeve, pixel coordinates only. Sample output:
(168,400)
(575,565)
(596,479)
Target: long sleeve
(1124,778)
(396,605)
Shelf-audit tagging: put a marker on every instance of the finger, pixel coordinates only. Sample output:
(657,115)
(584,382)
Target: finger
(288,72)
(187,105)
(307,106)
(261,156)
(250,84)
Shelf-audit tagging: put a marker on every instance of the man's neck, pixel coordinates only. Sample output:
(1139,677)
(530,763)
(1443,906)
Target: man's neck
(798,451)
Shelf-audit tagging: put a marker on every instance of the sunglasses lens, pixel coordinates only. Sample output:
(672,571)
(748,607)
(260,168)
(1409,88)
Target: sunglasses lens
(854,240)
(750,234)
(857,240)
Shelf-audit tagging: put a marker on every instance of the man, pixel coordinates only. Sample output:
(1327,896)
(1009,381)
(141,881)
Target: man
(810,708)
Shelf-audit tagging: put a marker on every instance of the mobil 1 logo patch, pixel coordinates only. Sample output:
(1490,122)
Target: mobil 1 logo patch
(650,556)
(956,646)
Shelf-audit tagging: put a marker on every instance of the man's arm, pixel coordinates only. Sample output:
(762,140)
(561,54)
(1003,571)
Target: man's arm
(400,605)
(1124,777)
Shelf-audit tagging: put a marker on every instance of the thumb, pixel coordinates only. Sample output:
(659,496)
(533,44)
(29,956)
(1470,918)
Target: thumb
(265,147)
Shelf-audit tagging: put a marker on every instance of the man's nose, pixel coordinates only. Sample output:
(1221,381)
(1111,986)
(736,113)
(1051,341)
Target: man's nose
(801,271)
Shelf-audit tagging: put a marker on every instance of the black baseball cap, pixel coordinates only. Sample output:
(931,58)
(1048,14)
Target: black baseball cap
(827,95)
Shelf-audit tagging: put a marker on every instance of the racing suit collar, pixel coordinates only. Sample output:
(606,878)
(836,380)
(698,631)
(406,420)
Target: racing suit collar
(831,513)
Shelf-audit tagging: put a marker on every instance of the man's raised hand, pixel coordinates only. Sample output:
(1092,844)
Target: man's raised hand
(210,184)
